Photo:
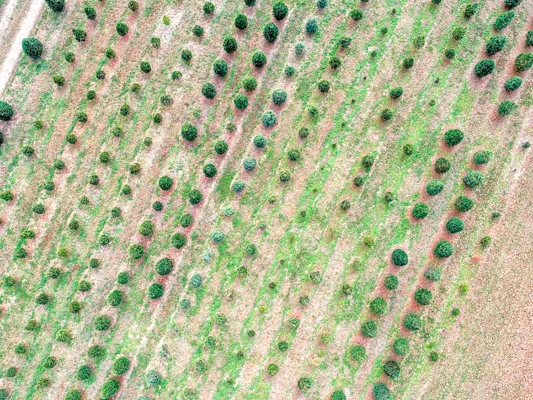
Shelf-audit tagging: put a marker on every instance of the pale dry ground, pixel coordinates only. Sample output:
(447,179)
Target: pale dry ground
(17,18)
(492,357)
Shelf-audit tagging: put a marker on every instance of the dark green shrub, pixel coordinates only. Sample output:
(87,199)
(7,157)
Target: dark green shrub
(503,20)
(79,35)
(96,352)
(442,165)
(6,111)
(58,80)
(189,132)
(145,67)
(133,6)
(294,155)
(38,208)
(356,14)
(269,119)
(458,33)
(359,181)
(221,147)
(175,75)
(241,102)
(506,108)
(249,83)
(32,47)
(122,29)
(284,176)
(229,44)
(59,164)
(378,306)
(164,266)
(367,162)
(146,228)
(28,151)
(90,12)
(196,281)
(420,211)
(209,8)
(358,353)
(345,205)
(136,251)
(335,62)
(220,68)
(270,32)
(197,30)
(49,362)
(195,196)
(408,62)
(109,388)
(513,83)
(260,141)
(449,54)
(454,225)
(121,365)
(56,5)
(304,384)
(299,49)
(280,10)
(529,38)
(100,74)
(84,286)
(423,296)
(73,394)
(238,185)
(401,346)
(392,369)
(523,62)
(337,394)
(470,10)
(115,212)
(94,180)
(453,137)
(512,3)
(102,323)
(259,59)
(115,298)
(484,68)
(399,258)
(250,3)
(485,242)
(472,179)
(249,163)
(345,42)
(279,96)
(241,21)
(74,307)
(311,26)
(386,115)
(324,86)
(125,110)
(209,91)
(495,44)
(434,187)
(482,157)
(443,249)
(412,322)
(369,329)
(210,170)
(178,240)
(464,204)
(42,299)
(155,291)
(396,92)
(381,392)
(157,206)
(391,282)
(84,373)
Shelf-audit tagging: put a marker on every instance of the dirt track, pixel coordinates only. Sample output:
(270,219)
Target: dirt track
(13,33)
